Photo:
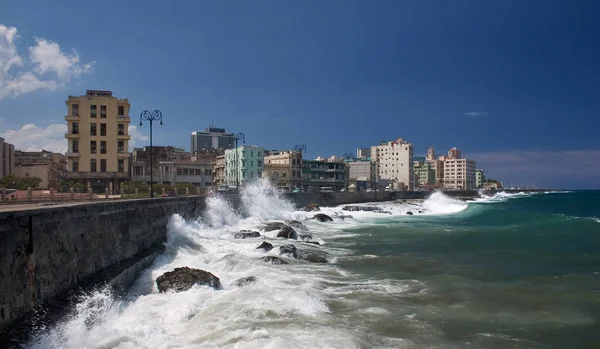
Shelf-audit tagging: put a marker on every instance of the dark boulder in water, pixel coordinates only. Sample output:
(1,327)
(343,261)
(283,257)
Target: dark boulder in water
(288,233)
(297,224)
(289,250)
(265,246)
(313,257)
(244,281)
(274,226)
(246,234)
(321,217)
(274,260)
(182,279)
(311,207)
(409,213)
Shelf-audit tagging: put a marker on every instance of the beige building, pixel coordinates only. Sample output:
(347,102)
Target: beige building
(437,165)
(219,171)
(98,140)
(283,168)
(7,158)
(394,162)
(48,166)
(362,171)
(459,173)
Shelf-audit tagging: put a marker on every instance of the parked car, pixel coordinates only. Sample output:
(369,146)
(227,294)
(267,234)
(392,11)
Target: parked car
(170,193)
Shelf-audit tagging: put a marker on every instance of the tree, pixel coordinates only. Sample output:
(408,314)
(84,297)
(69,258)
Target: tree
(14,182)
(9,182)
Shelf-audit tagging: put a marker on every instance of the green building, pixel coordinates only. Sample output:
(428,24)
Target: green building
(317,174)
(244,164)
(424,173)
(479,178)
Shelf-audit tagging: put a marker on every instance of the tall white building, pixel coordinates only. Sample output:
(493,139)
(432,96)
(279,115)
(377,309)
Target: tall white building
(394,162)
(459,173)
(211,138)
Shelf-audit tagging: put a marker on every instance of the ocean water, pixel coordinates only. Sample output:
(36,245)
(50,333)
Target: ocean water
(509,271)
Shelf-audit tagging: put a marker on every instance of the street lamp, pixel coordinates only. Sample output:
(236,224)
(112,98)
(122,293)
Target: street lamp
(300,148)
(348,156)
(237,137)
(151,116)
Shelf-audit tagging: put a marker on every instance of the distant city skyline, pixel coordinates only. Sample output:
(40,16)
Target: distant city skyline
(514,84)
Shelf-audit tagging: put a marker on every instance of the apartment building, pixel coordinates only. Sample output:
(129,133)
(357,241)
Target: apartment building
(424,174)
(283,168)
(7,158)
(244,164)
(219,170)
(394,162)
(211,138)
(323,173)
(98,138)
(479,178)
(172,166)
(50,167)
(459,173)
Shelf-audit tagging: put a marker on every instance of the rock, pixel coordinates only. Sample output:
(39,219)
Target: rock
(246,234)
(305,237)
(182,279)
(312,207)
(265,246)
(288,233)
(312,257)
(289,250)
(297,224)
(312,242)
(244,281)
(273,226)
(409,213)
(274,260)
(323,217)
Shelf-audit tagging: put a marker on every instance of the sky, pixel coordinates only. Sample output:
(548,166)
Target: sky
(514,84)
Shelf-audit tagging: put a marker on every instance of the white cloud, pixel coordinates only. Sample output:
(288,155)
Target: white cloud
(136,136)
(33,138)
(475,114)
(47,68)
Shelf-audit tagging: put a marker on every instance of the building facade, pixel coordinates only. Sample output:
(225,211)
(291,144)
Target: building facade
(283,168)
(172,166)
(7,158)
(323,173)
(219,170)
(50,167)
(424,174)
(479,178)
(437,165)
(244,164)
(394,162)
(459,173)
(98,140)
(363,173)
(211,138)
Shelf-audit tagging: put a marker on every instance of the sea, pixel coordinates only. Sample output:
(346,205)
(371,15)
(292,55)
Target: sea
(504,271)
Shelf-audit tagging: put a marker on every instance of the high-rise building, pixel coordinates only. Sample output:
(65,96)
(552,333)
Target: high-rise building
(7,158)
(459,173)
(98,140)
(211,137)
(394,161)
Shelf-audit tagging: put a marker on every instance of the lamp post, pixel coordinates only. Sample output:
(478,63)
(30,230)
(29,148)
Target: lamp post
(237,137)
(348,156)
(156,115)
(300,148)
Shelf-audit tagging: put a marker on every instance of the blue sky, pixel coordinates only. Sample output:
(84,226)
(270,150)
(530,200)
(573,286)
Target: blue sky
(514,84)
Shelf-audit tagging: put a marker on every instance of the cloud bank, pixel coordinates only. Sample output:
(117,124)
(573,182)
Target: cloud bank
(46,68)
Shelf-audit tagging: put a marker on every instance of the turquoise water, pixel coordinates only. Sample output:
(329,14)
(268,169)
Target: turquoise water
(522,273)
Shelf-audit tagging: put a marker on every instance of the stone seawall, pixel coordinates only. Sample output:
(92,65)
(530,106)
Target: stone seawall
(46,252)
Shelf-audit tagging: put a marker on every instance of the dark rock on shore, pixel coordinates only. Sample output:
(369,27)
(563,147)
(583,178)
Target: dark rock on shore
(182,279)
(297,224)
(409,213)
(274,226)
(288,233)
(321,217)
(246,234)
(265,246)
(289,250)
(274,260)
(244,281)
(313,257)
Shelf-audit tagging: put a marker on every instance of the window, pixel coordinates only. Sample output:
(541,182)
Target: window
(198,172)
(92,147)
(92,129)
(121,165)
(259,163)
(75,146)
(121,130)
(102,129)
(251,163)
(258,154)
(92,111)
(93,165)
(103,111)
(121,149)
(102,147)
(102,165)
(75,167)
(75,110)
(121,111)
(243,174)
(75,128)
(208,172)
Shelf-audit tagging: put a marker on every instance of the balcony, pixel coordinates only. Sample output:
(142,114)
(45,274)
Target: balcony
(122,155)
(97,175)
(123,137)
(123,118)
(72,135)
(72,117)
(72,154)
